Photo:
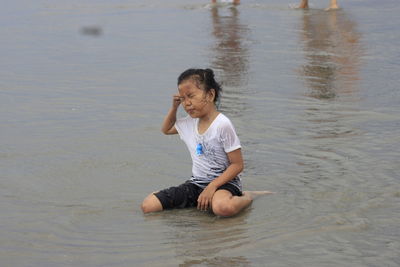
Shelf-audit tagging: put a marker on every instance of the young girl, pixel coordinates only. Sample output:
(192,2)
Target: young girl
(214,147)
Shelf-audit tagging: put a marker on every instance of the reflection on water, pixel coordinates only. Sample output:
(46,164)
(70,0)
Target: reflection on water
(332,50)
(230,56)
(201,239)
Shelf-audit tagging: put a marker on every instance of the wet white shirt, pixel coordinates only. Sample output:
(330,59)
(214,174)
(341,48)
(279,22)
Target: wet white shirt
(209,150)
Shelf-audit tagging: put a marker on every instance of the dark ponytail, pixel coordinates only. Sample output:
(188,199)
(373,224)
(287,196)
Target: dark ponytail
(204,79)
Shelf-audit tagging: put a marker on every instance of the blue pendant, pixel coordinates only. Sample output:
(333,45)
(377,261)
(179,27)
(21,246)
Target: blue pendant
(199,149)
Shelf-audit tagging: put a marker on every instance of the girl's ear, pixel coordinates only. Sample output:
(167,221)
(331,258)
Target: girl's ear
(211,95)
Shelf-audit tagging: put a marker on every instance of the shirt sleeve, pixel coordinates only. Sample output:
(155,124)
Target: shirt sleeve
(229,138)
(182,125)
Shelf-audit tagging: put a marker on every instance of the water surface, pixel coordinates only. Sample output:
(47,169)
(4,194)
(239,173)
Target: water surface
(84,86)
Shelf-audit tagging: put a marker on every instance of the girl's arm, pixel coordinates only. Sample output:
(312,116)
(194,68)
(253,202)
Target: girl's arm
(236,166)
(168,126)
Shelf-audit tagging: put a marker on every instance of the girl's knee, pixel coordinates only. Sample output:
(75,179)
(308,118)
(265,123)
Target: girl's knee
(151,204)
(223,209)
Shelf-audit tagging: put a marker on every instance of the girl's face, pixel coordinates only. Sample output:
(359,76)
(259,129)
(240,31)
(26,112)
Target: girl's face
(196,102)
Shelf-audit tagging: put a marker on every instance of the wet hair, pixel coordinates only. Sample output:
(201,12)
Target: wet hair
(204,79)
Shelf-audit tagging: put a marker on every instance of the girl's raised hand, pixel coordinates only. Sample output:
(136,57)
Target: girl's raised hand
(176,101)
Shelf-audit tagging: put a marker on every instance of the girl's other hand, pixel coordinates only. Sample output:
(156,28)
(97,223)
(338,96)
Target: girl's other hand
(205,198)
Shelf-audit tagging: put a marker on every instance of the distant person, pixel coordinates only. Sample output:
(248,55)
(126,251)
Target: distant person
(333,4)
(235,2)
(214,147)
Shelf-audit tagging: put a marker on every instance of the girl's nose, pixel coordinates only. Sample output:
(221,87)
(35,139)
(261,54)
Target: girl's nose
(186,102)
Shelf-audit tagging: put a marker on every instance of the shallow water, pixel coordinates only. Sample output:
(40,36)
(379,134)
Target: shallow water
(314,97)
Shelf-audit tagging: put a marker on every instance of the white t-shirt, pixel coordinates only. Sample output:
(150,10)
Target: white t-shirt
(209,150)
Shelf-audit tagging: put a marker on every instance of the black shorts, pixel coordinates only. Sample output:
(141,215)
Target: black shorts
(186,195)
